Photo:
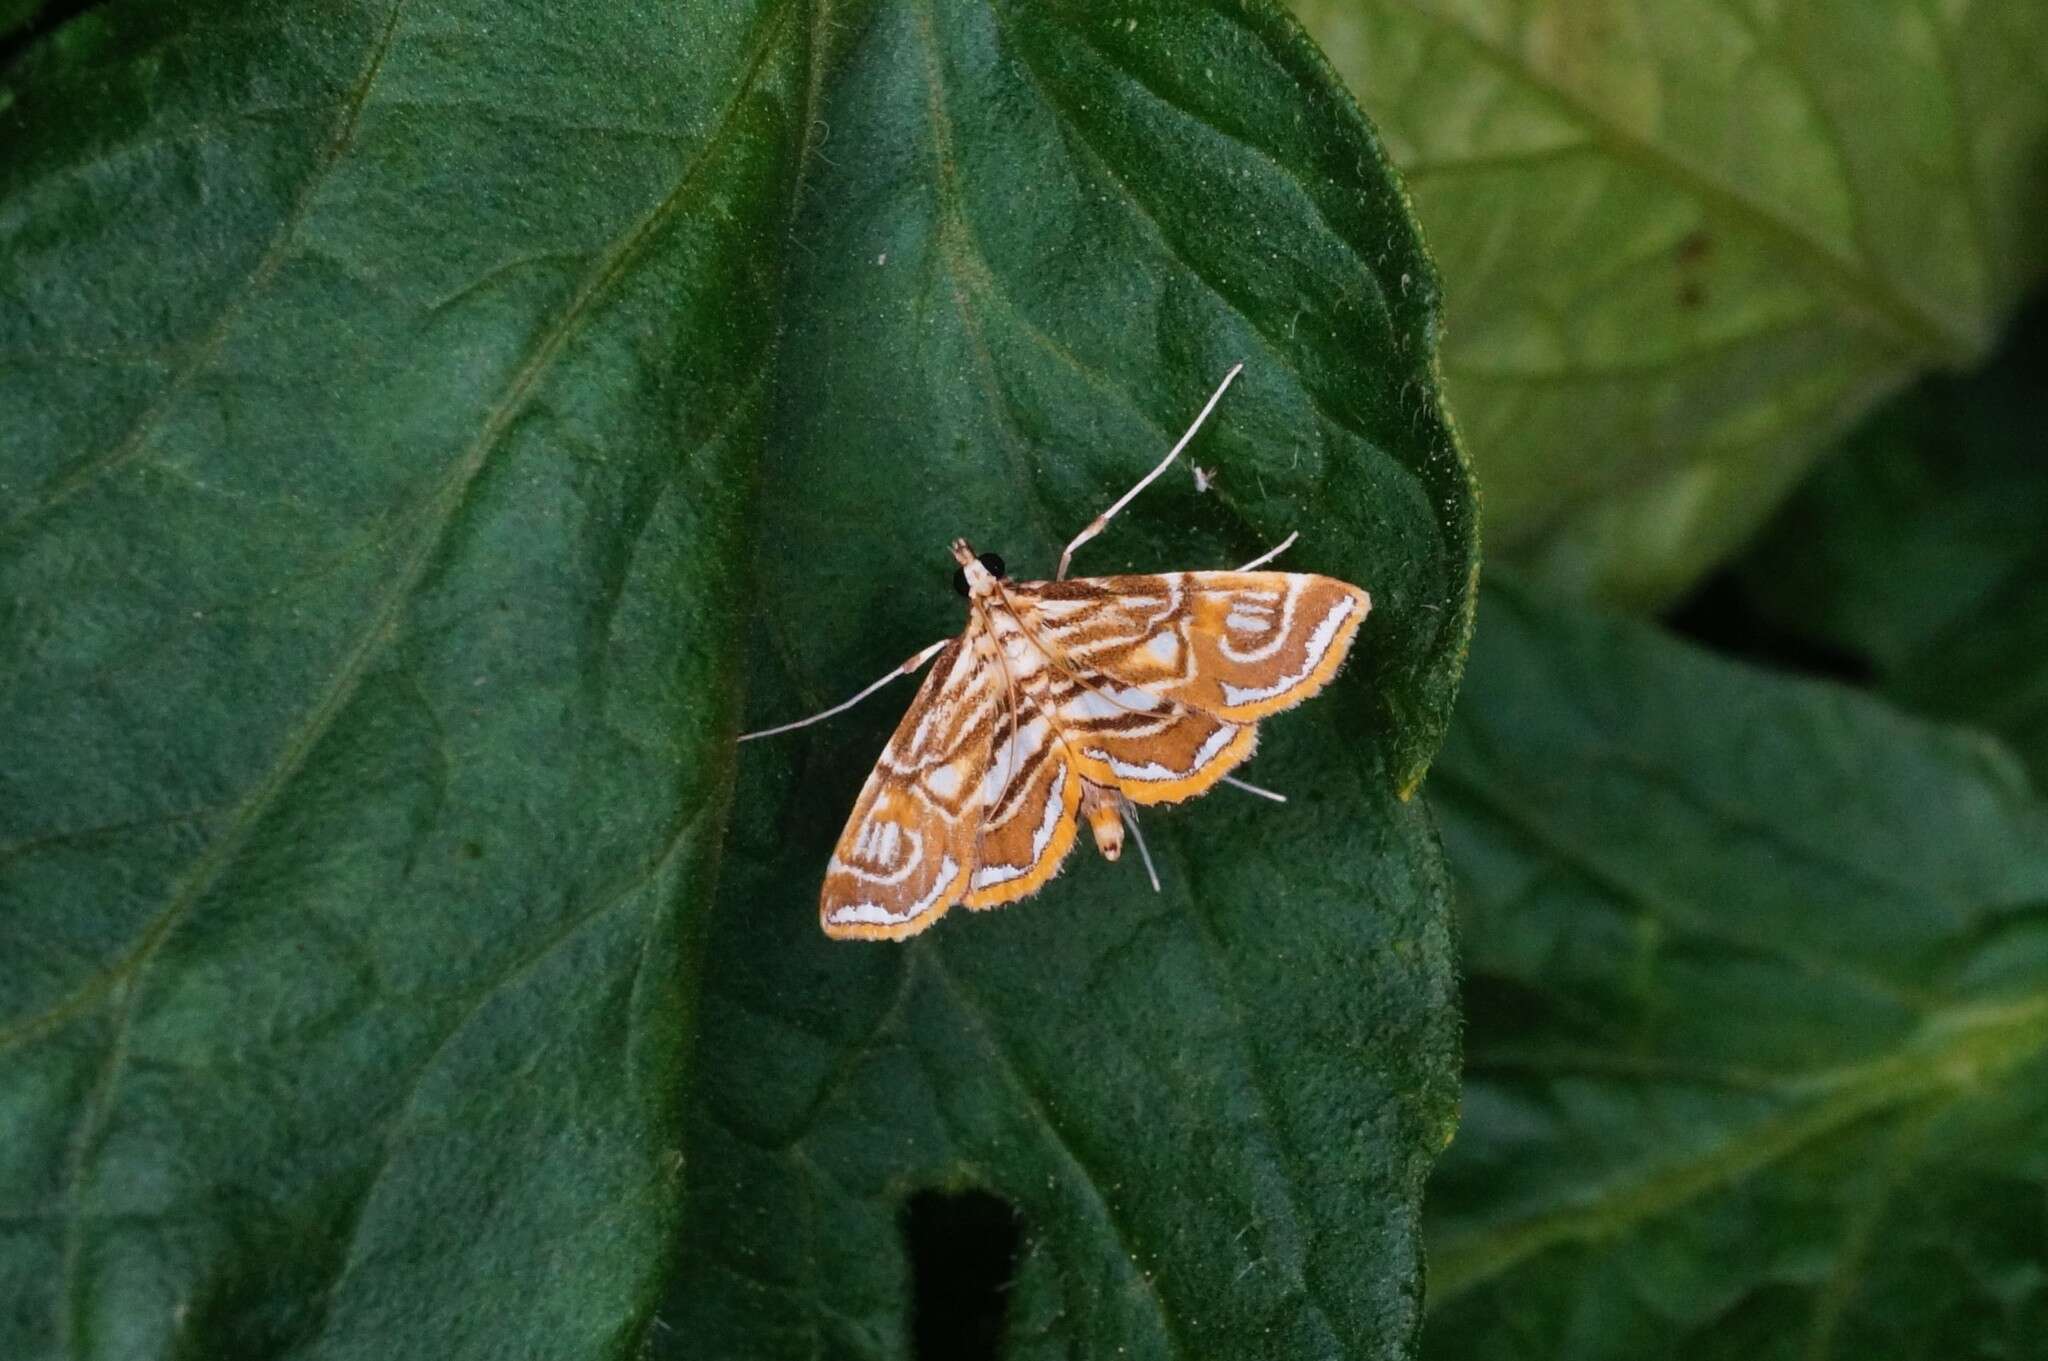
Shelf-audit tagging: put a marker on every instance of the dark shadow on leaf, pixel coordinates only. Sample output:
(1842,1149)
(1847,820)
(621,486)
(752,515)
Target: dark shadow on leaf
(1720,614)
(38,25)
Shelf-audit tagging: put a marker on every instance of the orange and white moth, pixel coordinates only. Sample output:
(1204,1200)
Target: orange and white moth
(1065,700)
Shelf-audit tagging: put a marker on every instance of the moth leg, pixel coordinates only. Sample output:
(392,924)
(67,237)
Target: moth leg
(1130,817)
(904,670)
(1250,788)
(1097,525)
(1271,553)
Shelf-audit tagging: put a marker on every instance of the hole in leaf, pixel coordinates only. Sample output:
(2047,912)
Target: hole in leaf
(963,1255)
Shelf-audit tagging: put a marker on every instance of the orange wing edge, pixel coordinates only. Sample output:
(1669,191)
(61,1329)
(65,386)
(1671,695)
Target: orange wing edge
(1328,645)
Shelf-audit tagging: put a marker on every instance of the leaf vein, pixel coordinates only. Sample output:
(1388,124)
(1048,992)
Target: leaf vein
(602,906)
(1951,1059)
(132,444)
(1522,816)
(1200,915)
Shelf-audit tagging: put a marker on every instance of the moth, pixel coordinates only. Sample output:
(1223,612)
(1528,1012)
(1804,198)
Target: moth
(1066,701)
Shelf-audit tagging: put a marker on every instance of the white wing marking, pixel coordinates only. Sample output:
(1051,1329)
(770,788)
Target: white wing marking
(1237,621)
(1318,644)
(878,915)
(1040,839)
(1153,770)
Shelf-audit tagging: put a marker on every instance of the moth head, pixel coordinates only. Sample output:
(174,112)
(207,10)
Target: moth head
(975,577)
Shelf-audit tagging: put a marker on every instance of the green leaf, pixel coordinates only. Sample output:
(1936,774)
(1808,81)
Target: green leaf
(381,387)
(1757,1050)
(1921,549)
(402,403)
(1210,1109)
(1684,245)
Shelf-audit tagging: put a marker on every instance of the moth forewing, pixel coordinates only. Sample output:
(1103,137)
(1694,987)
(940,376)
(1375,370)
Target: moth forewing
(1152,760)
(1234,645)
(1029,827)
(1266,641)
(909,845)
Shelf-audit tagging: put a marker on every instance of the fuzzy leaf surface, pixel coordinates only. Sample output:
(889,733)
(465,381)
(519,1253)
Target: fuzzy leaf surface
(381,386)
(429,424)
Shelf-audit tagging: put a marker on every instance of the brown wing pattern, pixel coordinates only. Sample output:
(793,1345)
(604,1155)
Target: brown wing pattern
(1161,756)
(1233,645)
(1118,735)
(1030,812)
(909,847)
(1128,738)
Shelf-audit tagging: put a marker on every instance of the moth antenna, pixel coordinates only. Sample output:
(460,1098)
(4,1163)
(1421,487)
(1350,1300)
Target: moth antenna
(1101,521)
(904,670)
(1271,553)
(1131,821)
(1250,788)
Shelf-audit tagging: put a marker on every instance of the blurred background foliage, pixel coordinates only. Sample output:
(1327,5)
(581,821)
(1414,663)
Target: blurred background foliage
(1756,989)
(1756,950)
(1685,246)
(1919,553)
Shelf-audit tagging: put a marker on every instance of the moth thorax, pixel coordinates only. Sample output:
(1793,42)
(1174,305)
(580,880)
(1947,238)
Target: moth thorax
(1099,806)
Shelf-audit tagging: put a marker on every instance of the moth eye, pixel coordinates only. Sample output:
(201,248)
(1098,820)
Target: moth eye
(960,580)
